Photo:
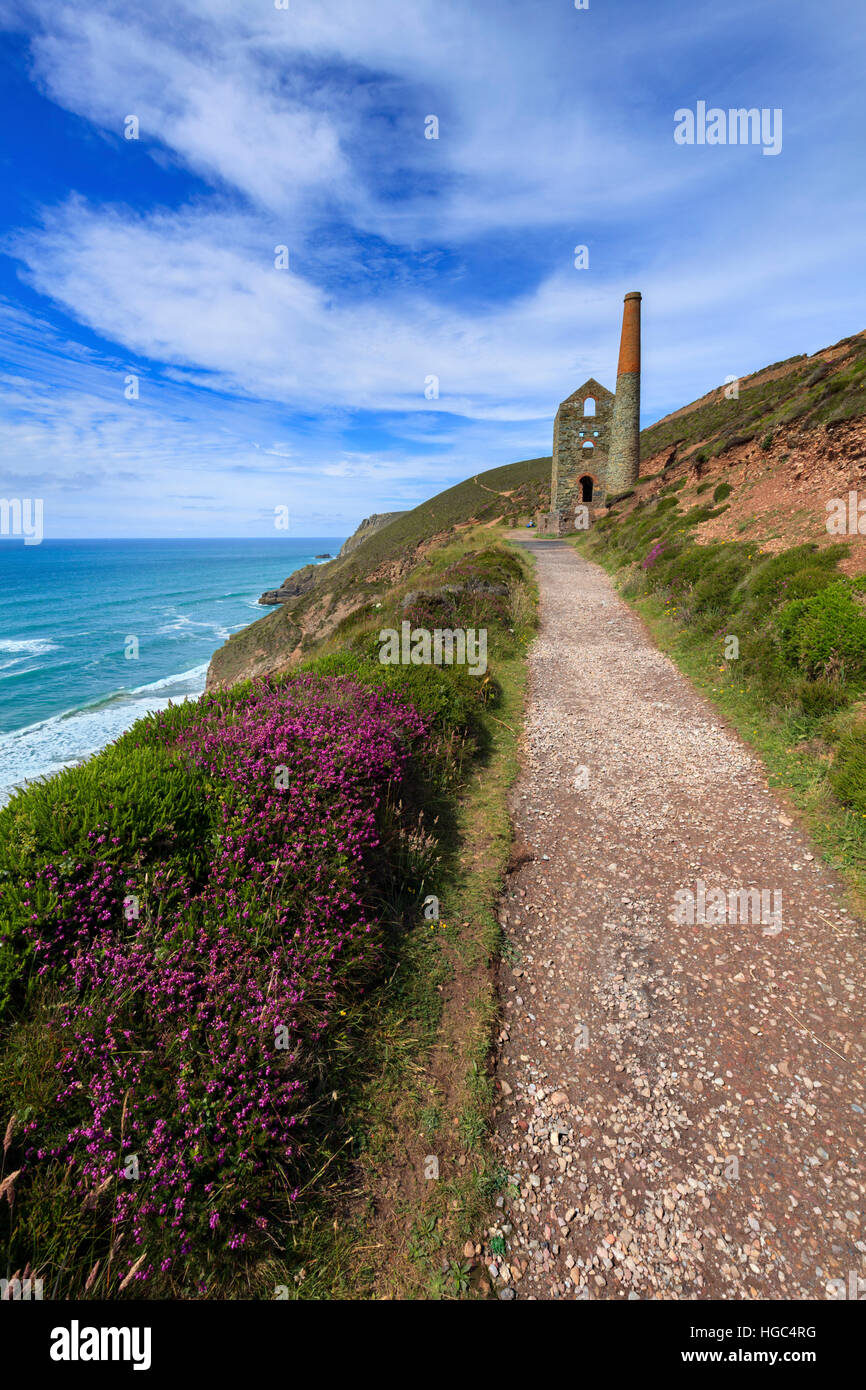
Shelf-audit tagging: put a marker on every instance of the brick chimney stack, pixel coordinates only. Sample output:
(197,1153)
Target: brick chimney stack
(624,460)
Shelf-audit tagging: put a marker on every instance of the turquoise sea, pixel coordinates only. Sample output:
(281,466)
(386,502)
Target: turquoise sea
(93,634)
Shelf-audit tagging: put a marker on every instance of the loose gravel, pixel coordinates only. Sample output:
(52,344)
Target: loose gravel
(680,1109)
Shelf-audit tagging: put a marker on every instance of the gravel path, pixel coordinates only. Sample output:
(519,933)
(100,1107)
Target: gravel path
(681,1107)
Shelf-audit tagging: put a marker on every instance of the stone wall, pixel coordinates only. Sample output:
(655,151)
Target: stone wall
(571,461)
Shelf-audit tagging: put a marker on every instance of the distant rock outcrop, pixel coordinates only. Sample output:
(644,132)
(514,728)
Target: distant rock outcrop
(301,582)
(367,528)
(305,579)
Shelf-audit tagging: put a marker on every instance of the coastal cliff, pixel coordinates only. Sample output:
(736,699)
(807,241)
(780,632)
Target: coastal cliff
(312,603)
(298,583)
(305,579)
(369,526)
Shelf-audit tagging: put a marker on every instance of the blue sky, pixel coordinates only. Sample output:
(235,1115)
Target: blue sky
(408,257)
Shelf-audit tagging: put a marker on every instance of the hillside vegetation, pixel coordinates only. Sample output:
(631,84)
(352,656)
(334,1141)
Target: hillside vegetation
(236,1039)
(230,1037)
(826,388)
(351,582)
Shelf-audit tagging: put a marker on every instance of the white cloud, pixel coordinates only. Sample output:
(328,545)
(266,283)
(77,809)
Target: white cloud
(305,127)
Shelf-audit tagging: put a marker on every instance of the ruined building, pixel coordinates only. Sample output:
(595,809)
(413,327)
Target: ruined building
(596,435)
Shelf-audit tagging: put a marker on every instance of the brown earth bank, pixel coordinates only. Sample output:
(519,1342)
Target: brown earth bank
(779,495)
(680,1106)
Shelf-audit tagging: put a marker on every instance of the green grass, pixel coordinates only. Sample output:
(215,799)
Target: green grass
(360,577)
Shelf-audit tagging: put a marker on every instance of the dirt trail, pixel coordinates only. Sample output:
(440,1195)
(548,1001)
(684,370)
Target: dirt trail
(681,1111)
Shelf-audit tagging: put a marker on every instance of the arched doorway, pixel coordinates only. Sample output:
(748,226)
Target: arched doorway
(585,488)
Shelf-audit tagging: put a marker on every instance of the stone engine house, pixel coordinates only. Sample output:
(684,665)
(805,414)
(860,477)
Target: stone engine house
(581,440)
(596,436)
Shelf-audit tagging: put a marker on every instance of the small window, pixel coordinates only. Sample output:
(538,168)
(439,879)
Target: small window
(589,405)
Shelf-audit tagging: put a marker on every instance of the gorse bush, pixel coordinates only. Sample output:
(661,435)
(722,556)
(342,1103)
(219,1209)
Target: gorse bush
(825,635)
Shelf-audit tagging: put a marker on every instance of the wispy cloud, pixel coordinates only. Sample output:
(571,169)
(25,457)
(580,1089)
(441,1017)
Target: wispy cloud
(409,259)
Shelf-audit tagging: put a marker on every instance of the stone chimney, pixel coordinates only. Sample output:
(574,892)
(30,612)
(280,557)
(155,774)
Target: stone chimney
(624,458)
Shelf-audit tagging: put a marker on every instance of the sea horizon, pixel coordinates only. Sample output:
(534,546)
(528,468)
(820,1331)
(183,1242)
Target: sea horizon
(96,632)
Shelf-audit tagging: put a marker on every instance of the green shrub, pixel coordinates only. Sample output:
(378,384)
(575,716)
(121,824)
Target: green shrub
(688,567)
(696,515)
(806,582)
(769,586)
(721,492)
(848,773)
(714,591)
(825,636)
(735,441)
(448,694)
(818,375)
(821,697)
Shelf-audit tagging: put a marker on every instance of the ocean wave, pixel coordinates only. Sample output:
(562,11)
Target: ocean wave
(41,749)
(16,653)
(181,623)
(35,646)
(195,674)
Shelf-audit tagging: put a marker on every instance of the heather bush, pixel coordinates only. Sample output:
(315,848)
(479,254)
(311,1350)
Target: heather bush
(473,592)
(449,697)
(131,805)
(165,1133)
(822,697)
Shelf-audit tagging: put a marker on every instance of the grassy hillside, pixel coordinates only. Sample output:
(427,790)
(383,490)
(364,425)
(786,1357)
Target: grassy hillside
(515,488)
(826,388)
(347,584)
